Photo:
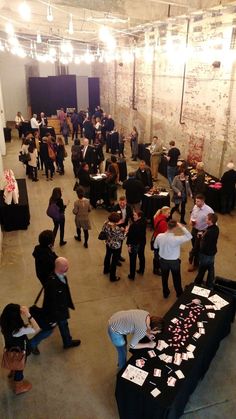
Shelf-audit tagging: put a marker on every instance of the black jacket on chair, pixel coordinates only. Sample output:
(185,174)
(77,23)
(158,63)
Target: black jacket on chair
(57,299)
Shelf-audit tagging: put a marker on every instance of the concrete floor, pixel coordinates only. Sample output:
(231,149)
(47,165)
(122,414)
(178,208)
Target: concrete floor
(79,383)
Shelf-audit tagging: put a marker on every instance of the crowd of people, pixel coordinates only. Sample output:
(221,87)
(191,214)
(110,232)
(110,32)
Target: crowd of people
(126,225)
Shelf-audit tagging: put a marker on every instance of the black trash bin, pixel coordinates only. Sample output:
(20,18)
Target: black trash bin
(7,134)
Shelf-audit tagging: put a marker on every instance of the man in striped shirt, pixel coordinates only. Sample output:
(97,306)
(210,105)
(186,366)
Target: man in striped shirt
(138,323)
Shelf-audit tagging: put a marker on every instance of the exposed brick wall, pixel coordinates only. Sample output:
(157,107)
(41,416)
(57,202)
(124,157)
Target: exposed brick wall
(205,129)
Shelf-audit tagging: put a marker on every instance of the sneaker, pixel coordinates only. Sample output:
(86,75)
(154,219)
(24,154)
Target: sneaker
(73,344)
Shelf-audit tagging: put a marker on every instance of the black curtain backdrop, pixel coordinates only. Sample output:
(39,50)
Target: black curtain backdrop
(47,94)
(94,93)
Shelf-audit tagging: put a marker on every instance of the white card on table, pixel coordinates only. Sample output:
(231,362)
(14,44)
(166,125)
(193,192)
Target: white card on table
(191,348)
(155,392)
(182,306)
(179,374)
(184,356)
(177,359)
(203,292)
(174,320)
(190,355)
(171,381)
(135,375)
(200,324)
(211,315)
(157,372)
(218,301)
(152,354)
(196,335)
(202,330)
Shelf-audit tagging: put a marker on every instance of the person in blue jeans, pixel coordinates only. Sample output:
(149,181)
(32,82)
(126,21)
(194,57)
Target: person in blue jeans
(56,305)
(139,324)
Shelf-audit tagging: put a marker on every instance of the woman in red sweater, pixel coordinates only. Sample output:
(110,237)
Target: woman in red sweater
(160,226)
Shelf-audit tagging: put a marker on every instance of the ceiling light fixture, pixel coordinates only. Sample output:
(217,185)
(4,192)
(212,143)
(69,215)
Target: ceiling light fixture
(49,13)
(25,11)
(9,28)
(71,28)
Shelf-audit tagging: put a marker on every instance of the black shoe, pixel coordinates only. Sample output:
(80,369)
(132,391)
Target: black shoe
(77,238)
(121,259)
(63,243)
(73,344)
(117,278)
(157,272)
(35,351)
(118,263)
(131,277)
(183,222)
(166,295)
(86,245)
(140,272)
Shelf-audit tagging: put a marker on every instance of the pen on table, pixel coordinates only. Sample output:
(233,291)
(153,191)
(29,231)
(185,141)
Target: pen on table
(152,383)
(145,359)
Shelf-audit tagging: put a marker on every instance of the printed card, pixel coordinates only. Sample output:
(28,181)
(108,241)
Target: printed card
(157,372)
(179,374)
(155,392)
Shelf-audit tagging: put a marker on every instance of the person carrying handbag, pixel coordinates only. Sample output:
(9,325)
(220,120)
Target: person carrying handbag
(15,332)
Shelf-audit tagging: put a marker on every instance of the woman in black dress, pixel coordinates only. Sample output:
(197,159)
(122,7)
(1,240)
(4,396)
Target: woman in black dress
(59,221)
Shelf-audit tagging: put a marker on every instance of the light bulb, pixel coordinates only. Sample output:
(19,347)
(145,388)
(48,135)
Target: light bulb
(9,28)
(25,11)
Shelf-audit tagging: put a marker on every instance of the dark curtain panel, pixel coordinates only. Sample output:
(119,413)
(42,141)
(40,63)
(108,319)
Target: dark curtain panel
(94,93)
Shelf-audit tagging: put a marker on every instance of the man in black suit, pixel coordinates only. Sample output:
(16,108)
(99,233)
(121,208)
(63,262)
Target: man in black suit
(44,256)
(89,130)
(134,191)
(88,154)
(144,174)
(126,214)
(56,305)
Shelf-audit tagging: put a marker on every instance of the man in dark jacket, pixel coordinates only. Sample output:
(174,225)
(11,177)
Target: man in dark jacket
(134,191)
(228,181)
(75,120)
(56,305)
(144,174)
(44,256)
(208,250)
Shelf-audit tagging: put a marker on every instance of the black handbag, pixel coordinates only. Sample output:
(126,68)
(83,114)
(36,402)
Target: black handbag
(24,158)
(102,235)
(39,315)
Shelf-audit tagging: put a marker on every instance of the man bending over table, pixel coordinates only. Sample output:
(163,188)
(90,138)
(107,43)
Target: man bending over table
(139,324)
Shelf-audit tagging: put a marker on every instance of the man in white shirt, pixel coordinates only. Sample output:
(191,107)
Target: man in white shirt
(169,251)
(34,123)
(199,225)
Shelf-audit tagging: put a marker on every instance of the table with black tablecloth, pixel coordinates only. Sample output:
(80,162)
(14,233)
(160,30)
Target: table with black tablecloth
(150,204)
(122,168)
(26,127)
(144,153)
(112,142)
(15,216)
(46,130)
(98,189)
(136,402)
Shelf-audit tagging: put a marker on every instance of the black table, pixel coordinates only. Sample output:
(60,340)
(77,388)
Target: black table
(98,188)
(112,142)
(136,402)
(150,204)
(144,153)
(122,168)
(46,130)
(7,134)
(15,216)
(26,127)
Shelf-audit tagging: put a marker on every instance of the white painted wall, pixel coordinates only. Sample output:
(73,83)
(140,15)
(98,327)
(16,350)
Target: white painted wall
(13,80)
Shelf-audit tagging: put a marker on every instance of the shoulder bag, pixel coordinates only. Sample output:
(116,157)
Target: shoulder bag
(14,358)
